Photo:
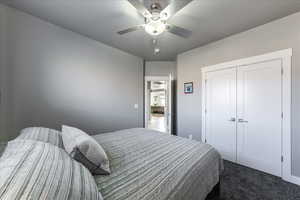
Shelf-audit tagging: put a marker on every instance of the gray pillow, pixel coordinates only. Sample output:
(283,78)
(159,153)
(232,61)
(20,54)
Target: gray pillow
(85,150)
(38,170)
(43,135)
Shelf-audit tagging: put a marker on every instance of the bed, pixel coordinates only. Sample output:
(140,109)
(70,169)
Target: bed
(147,164)
(144,164)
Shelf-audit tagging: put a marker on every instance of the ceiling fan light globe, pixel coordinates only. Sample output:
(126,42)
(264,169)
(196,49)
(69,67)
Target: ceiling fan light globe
(155,16)
(155,27)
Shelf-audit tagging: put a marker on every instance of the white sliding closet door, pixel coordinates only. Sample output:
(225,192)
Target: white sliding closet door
(259,109)
(221,112)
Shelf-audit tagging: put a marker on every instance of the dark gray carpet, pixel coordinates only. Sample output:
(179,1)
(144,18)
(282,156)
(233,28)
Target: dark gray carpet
(242,183)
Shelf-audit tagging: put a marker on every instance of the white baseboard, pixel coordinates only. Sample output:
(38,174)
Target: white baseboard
(293,179)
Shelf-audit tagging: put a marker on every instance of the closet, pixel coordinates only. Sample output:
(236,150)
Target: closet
(243,112)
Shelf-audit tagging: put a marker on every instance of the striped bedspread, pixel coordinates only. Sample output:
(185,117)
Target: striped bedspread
(37,170)
(148,165)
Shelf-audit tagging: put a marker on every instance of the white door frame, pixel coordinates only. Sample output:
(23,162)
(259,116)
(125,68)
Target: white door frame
(286,57)
(168,80)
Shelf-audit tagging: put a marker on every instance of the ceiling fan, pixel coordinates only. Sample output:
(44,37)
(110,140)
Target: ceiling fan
(156,19)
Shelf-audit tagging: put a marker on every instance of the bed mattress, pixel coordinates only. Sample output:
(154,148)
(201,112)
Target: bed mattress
(147,164)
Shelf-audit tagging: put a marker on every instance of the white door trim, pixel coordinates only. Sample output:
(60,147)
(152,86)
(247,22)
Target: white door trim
(285,56)
(168,79)
(157,78)
(286,53)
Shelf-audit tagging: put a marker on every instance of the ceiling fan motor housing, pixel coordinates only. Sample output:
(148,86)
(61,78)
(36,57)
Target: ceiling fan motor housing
(155,6)
(155,10)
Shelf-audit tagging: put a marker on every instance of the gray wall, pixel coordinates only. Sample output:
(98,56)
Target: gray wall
(59,77)
(2,66)
(161,68)
(277,35)
(4,98)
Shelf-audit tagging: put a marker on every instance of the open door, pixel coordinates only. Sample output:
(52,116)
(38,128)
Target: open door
(158,103)
(169,105)
(147,114)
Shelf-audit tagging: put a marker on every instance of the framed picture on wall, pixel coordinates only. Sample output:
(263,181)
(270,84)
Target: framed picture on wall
(188,88)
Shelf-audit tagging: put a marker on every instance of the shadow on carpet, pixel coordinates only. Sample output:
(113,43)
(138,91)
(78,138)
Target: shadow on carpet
(242,183)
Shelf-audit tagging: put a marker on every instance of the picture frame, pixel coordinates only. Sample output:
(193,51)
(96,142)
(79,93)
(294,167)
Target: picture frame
(188,88)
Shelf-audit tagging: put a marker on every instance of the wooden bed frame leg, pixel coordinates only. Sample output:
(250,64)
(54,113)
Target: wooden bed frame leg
(216,191)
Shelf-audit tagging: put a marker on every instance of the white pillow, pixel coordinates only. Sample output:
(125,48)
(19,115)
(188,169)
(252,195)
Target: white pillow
(85,150)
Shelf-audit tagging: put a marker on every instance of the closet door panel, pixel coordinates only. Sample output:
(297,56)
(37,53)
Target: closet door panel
(259,108)
(221,112)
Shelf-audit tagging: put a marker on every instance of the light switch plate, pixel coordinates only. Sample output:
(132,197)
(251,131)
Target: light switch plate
(136,106)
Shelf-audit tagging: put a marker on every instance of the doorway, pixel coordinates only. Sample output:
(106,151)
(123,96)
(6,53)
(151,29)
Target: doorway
(158,101)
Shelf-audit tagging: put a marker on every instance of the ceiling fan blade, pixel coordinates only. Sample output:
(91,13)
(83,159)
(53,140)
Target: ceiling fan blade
(173,8)
(140,8)
(135,28)
(182,32)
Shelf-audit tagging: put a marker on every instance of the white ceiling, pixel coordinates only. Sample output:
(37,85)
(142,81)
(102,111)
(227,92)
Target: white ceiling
(210,20)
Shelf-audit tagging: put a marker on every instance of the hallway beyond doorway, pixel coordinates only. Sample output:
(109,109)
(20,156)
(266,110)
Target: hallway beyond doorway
(157,122)
(158,103)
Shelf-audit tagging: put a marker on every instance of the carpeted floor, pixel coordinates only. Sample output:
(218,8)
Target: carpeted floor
(242,183)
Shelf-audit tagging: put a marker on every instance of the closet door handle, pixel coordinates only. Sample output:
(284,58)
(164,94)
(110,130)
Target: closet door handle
(232,119)
(242,121)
